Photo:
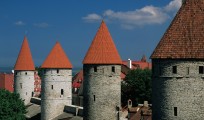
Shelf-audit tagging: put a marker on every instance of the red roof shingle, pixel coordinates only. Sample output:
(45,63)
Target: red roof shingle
(102,49)
(184,38)
(24,60)
(57,58)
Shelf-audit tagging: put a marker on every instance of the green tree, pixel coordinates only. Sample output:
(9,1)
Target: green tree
(137,86)
(11,106)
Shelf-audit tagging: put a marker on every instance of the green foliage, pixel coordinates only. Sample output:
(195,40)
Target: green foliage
(137,86)
(11,106)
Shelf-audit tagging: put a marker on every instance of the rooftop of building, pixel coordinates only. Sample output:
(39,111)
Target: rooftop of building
(184,39)
(57,58)
(24,60)
(102,49)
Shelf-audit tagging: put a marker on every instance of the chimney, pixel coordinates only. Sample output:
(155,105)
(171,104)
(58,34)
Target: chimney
(129,63)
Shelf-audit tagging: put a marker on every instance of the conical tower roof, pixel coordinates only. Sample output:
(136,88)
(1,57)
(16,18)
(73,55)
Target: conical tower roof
(24,60)
(57,58)
(102,49)
(184,39)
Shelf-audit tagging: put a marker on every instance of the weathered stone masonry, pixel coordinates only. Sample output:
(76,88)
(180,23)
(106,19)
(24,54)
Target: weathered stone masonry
(180,95)
(56,92)
(24,84)
(102,91)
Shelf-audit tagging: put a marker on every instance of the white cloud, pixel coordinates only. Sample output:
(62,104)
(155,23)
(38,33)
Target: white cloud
(41,25)
(173,5)
(19,23)
(92,17)
(144,16)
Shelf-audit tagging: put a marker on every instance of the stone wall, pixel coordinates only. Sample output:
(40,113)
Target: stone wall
(24,84)
(180,95)
(102,92)
(56,92)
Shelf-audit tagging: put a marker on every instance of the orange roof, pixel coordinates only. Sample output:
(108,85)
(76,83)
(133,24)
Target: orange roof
(184,37)
(24,60)
(57,58)
(102,49)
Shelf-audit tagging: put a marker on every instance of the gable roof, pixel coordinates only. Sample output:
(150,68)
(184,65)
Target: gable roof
(57,58)
(102,49)
(184,38)
(24,60)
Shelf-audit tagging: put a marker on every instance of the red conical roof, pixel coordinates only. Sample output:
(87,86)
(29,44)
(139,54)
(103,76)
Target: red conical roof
(102,49)
(24,60)
(184,39)
(57,58)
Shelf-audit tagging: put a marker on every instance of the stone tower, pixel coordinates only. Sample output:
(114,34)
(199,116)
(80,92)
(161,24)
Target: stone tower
(178,66)
(24,73)
(56,83)
(102,82)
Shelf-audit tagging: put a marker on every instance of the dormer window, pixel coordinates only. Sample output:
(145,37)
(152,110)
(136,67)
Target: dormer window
(174,69)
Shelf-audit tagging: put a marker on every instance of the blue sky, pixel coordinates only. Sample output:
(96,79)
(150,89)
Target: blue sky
(136,26)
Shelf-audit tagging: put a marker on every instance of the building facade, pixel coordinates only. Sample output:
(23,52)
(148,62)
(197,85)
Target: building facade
(178,66)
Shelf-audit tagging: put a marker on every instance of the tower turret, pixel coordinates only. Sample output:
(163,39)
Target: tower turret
(178,66)
(102,82)
(24,73)
(56,83)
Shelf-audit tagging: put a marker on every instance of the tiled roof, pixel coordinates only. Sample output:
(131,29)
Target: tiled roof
(185,36)
(57,58)
(24,60)
(102,49)
(144,58)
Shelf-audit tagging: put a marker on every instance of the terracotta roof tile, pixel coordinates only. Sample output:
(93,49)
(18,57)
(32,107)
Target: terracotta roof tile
(57,58)
(184,38)
(102,49)
(24,60)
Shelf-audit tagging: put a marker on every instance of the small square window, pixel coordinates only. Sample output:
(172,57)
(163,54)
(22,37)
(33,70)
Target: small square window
(201,68)
(174,70)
